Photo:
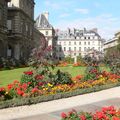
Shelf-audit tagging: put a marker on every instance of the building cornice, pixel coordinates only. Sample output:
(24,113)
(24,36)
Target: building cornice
(19,10)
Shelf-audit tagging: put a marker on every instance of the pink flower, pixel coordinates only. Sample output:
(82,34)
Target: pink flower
(63,115)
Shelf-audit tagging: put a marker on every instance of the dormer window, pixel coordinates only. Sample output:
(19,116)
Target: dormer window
(46,33)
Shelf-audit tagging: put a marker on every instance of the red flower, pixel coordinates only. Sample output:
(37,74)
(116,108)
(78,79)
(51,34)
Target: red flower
(99,115)
(28,73)
(78,77)
(2,89)
(24,86)
(82,117)
(40,83)
(63,115)
(20,92)
(39,77)
(16,82)
(115,118)
(70,113)
(10,86)
(35,90)
(29,83)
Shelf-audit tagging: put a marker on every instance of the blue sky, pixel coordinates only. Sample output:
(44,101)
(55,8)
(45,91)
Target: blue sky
(103,14)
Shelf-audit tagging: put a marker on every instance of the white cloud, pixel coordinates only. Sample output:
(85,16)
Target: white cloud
(52,5)
(106,24)
(64,15)
(58,5)
(82,11)
(97,5)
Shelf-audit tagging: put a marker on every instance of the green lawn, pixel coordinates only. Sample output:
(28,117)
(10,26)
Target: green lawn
(9,76)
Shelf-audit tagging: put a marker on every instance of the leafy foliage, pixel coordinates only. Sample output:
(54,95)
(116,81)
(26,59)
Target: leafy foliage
(62,78)
(69,59)
(92,70)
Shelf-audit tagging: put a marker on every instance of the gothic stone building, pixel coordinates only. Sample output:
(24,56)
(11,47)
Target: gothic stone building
(3,27)
(20,28)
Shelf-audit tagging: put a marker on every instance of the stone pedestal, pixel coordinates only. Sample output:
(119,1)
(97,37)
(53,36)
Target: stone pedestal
(75,59)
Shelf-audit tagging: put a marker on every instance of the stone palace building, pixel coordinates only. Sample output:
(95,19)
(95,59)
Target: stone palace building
(18,36)
(77,42)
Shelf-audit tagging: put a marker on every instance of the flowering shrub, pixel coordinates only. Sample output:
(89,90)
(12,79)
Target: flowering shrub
(28,77)
(106,113)
(92,72)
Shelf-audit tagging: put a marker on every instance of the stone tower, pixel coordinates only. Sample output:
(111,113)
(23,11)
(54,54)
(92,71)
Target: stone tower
(20,28)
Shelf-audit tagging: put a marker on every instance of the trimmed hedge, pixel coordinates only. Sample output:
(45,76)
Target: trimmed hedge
(34,100)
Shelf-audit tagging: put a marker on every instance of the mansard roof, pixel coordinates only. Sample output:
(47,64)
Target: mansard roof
(76,33)
(42,22)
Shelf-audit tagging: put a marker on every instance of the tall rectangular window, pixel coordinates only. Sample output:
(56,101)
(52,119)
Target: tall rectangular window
(79,48)
(59,43)
(69,43)
(60,49)
(74,48)
(64,48)
(69,48)
(64,43)
(27,27)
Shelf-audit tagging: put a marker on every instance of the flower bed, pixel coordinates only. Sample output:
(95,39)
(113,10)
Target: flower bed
(106,113)
(62,64)
(34,87)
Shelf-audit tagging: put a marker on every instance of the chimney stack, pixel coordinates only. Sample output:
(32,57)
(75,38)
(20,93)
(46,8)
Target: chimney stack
(46,14)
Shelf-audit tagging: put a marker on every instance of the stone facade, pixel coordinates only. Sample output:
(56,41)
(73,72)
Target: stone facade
(20,25)
(38,38)
(43,25)
(3,27)
(112,42)
(77,42)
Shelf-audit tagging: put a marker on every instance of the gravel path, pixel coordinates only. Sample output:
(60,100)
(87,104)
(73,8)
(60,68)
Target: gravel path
(57,105)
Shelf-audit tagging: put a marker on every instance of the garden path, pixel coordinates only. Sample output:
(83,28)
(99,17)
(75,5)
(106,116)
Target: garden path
(51,110)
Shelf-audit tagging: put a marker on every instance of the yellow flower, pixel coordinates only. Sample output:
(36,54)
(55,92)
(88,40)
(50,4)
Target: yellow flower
(6,93)
(50,85)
